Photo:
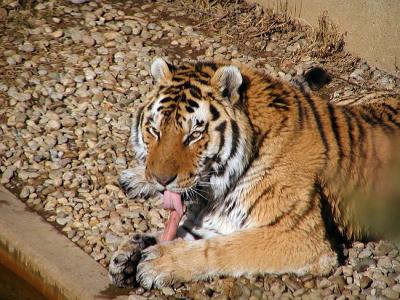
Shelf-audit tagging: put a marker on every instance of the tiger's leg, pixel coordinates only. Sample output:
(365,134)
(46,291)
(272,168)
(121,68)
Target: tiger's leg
(124,261)
(252,251)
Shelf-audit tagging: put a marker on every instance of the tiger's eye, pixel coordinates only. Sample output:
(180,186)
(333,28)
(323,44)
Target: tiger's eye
(195,135)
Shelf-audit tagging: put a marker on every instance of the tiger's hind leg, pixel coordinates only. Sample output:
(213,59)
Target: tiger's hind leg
(252,251)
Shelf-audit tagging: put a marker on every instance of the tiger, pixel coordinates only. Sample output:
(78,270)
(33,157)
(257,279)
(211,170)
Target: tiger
(267,171)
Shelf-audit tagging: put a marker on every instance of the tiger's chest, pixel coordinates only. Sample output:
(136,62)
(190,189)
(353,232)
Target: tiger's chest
(222,217)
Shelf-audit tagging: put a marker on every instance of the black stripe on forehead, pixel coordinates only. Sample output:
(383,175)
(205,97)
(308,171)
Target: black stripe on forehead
(192,103)
(166,100)
(200,65)
(195,92)
(214,112)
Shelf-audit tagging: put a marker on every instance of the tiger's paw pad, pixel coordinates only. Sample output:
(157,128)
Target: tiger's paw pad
(124,262)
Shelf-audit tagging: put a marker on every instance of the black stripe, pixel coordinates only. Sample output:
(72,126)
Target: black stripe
(255,203)
(214,112)
(167,99)
(391,108)
(279,103)
(193,103)
(195,92)
(361,137)
(300,112)
(201,123)
(394,112)
(369,116)
(138,123)
(182,97)
(189,231)
(201,65)
(336,132)
(319,123)
(235,138)
(390,118)
(202,81)
(221,128)
(189,109)
(230,205)
(351,138)
(177,78)
(297,219)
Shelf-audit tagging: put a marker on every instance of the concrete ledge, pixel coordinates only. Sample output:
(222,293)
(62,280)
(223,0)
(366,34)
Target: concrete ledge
(45,258)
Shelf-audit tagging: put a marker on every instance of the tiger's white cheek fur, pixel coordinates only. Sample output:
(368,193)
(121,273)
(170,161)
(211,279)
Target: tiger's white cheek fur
(135,184)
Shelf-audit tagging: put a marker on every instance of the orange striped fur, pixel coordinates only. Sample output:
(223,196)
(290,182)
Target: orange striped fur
(282,170)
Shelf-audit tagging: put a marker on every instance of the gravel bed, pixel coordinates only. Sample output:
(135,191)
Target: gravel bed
(71,75)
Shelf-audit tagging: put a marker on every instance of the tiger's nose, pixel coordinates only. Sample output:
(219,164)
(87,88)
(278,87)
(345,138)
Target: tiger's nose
(165,180)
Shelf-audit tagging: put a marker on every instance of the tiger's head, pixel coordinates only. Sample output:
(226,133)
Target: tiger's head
(192,130)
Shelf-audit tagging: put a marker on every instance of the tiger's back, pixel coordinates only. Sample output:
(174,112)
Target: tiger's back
(339,151)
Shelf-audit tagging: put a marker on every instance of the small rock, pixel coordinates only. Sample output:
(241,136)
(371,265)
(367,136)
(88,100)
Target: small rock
(339,281)
(88,40)
(347,271)
(383,248)
(53,125)
(126,29)
(324,283)
(365,282)
(112,239)
(385,263)
(68,122)
(26,191)
(62,221)
(363,264)
(57,34)
(3,14)
(365,253)
(7,174)
(391,294)
(167,291)
(27,47)
(89,74)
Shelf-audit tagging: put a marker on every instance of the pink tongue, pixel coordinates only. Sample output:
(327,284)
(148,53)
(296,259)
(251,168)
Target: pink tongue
(172,201)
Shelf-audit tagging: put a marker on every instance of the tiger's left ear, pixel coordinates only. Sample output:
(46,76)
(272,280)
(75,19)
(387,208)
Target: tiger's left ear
(160,69)
(228,80)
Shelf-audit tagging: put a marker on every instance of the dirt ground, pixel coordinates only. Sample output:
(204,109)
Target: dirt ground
(70,77)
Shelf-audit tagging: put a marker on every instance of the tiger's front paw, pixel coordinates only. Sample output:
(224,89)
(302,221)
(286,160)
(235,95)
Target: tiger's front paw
(124,262)
(163,265)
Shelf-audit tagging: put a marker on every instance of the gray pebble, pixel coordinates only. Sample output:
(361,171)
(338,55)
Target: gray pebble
(7,174)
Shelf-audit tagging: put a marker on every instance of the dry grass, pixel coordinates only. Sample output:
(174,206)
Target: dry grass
(250,24)
(327,37)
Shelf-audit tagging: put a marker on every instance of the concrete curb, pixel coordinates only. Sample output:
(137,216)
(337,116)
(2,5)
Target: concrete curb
(45,258)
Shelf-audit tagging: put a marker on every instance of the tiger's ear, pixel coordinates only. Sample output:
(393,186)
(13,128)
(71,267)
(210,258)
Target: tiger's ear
(228,80)
(160,69)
